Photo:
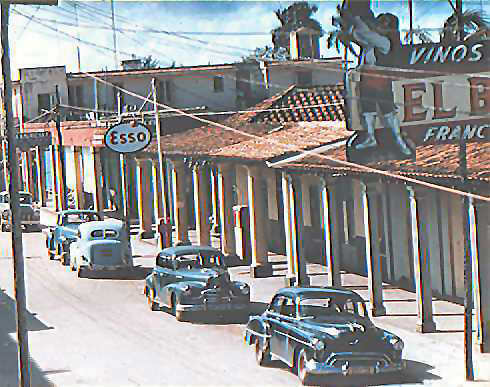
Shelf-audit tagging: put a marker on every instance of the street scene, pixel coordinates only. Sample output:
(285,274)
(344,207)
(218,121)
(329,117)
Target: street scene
(307,207)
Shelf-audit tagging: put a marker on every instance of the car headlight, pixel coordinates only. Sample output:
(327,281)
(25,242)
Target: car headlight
(318,344)
(245,289)
(396,343)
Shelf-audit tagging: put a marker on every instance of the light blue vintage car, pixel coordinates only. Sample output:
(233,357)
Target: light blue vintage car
(100,245)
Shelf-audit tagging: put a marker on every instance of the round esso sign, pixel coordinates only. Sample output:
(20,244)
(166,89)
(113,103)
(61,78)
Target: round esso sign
(127,137)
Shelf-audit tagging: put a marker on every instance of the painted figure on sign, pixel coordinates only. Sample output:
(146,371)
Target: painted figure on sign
(379,39)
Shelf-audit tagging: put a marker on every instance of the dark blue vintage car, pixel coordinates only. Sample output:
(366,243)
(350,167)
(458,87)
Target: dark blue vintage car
(323,331)
(190,279)
(60,236)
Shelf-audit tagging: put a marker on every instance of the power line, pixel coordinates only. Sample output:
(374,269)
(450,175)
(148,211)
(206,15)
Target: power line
(293,148)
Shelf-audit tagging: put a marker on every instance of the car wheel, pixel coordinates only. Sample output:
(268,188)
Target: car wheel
(4,228)
(80,272)
(303,375)
(179,316)
(65,259)
(262,353)
(150,297)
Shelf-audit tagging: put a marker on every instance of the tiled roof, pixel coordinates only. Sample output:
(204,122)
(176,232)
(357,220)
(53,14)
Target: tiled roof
(288,138)
(303,104)
(210,138)
(432,161)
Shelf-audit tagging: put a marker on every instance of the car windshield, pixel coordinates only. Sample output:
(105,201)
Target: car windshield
(25,198)
(329,306)
(200,261)
(80,218)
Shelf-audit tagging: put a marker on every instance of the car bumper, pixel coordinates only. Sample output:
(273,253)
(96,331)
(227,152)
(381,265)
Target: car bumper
(211,307)
(347,367)
(104,267)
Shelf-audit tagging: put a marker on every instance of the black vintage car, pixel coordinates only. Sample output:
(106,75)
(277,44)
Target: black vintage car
(323,331)
(191,279)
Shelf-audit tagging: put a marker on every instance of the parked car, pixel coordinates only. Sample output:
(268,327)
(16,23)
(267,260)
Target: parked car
(100,245)
(323,331)
(190,279)
(29,216)
(59,237)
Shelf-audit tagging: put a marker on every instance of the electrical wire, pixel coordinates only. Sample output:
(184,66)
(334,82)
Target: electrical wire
(296,64)
(293,148)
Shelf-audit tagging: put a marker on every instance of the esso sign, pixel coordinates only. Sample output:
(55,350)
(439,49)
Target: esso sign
(127,138)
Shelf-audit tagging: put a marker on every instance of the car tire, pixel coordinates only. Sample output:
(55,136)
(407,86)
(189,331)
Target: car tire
(64,260)
(80,272)
(179,316)
(262,352)
(303,375)
(151,300)
(4,228)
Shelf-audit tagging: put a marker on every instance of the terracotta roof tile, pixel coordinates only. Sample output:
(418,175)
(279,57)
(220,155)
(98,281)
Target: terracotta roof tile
(206,139)
(432,161)
(292,137)
(299,97)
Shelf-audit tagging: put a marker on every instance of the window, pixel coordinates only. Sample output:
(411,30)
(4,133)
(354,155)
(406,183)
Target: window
(304,78)
(276,304)
(219,84)
(43,102)
(97,234)
(288,308)
(110,234)
(161,91)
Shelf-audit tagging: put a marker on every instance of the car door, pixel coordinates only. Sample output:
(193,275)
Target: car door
(161,276)
(287,323)
(273,319)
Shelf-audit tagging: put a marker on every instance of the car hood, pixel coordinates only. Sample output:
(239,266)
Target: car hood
(203,275)
(340,327)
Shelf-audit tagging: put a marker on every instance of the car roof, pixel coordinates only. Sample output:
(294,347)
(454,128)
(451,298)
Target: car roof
(318,291)
(101,224)
(75,212)
(190,249)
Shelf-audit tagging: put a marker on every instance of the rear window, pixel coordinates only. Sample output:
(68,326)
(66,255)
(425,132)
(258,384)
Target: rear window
(110,234)
(97,234)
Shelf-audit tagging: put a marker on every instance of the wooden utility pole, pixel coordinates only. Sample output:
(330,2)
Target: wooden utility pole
(18,256)
(468,267)
(61,153)
(161,165)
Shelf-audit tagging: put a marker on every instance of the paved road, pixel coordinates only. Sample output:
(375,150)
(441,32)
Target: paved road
(99,331)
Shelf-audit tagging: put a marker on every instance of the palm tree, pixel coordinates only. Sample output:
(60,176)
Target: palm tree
(476,27)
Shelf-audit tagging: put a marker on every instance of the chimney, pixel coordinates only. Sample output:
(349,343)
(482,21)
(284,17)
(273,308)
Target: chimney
(131,64)
(304,43)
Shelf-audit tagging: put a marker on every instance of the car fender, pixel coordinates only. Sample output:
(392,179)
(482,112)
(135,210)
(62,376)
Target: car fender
(149,282)
(256,327)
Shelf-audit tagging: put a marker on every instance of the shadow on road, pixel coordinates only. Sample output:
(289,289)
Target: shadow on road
(137,273)
(415,373)
(8,346)
(225,317)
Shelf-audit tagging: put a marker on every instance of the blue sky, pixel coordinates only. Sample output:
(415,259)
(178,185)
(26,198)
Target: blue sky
(43,36)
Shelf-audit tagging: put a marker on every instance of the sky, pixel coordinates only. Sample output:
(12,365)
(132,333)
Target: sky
(47,35)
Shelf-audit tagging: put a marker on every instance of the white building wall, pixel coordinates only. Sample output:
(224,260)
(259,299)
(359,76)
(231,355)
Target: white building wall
(42,80)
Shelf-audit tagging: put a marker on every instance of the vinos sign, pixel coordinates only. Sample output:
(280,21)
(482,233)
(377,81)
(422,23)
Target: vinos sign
(127,137)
